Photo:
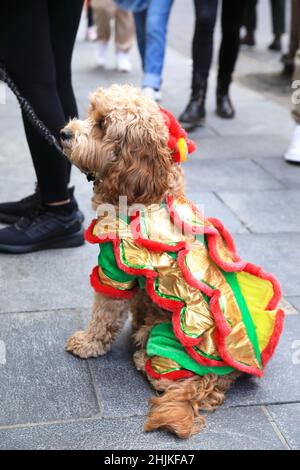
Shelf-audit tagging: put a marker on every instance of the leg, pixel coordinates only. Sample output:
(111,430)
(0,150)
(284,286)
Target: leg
(25,42)
(250,16)
(202,49)
(90,19)
(63,30)
(278,17)
(140,27)
(278,23)
(124,30)
(145,314)
(206,13)
(156,32)
(232,14)
(103,10)
(108,318)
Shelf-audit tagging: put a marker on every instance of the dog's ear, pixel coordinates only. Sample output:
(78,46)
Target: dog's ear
(98,108)
(144,167)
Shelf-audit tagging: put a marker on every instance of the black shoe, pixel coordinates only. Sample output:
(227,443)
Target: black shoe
(43,229)
(248,39)
(11,212)
(225,108)
(194,112)
(275,44)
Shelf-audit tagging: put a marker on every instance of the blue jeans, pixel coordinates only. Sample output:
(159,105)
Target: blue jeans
(151,29)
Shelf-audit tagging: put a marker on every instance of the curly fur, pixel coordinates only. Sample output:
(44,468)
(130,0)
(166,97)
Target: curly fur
(124,142)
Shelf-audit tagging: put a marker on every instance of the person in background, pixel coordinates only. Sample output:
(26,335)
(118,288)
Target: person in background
(278,23)
(294,39)
(293,153)
(151,21)
(36,45)
(103,12)
(151,29)
(202,51)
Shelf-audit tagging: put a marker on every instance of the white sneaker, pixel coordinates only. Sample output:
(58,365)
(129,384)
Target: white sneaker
(101,53)
(123,62)
(152,93)
(293,152)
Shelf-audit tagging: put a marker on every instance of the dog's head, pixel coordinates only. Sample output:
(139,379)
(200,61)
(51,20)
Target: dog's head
(124,143)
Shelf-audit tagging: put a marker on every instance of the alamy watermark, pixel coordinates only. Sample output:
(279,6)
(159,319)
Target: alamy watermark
(296,93)
(2,353)
(2,93)
(177,222)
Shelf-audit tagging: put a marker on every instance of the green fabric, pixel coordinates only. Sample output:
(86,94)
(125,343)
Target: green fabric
(162,342)
(248,322)
(107,261)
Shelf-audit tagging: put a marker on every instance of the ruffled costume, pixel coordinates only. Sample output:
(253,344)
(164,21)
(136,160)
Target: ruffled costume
(224,313)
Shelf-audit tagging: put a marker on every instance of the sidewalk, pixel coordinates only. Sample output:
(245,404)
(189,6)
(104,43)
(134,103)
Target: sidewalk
(51,400)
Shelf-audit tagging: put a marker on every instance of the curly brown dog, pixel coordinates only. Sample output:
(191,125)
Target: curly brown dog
(124,144)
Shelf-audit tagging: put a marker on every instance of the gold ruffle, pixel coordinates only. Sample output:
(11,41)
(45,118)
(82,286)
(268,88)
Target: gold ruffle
(162,365)
(112,283)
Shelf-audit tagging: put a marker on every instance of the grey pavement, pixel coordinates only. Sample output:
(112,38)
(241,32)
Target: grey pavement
(51,400)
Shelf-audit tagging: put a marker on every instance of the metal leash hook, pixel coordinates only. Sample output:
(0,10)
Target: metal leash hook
(32,117)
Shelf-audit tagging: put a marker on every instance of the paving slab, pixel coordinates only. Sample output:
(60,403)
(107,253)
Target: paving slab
(282,369)
(287,418)
(266,211)
(241,428)
(51,279)
(40,380)
(287,173)
(124,391)
(220,175)
(295,301)
(251,119)
(212,206)
(269,147)
(277,253)
(287,305)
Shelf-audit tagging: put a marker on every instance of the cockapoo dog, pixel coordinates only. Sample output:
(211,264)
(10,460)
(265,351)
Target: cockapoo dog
(126,144)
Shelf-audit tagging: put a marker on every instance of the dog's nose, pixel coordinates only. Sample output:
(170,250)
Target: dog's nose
(66,134)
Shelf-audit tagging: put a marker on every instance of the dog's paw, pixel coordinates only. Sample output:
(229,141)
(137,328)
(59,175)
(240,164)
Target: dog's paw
(81,345)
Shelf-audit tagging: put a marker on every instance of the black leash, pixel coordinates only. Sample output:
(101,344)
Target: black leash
(32,117)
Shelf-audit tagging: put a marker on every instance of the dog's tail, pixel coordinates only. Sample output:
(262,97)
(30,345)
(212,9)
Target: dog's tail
(178,409)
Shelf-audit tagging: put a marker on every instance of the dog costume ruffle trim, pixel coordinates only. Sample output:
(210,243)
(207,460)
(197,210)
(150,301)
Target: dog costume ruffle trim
(224,311)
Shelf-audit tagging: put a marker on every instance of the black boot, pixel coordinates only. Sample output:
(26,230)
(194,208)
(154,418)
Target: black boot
(194,112)
(44,228)
(275,44)
(225,108)
(10,212)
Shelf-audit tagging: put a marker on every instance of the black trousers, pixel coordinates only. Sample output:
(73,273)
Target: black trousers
(278,10)
(36,44)
(231,19)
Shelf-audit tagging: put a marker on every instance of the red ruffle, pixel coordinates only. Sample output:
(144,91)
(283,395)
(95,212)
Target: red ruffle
(109,290)
(175,375)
